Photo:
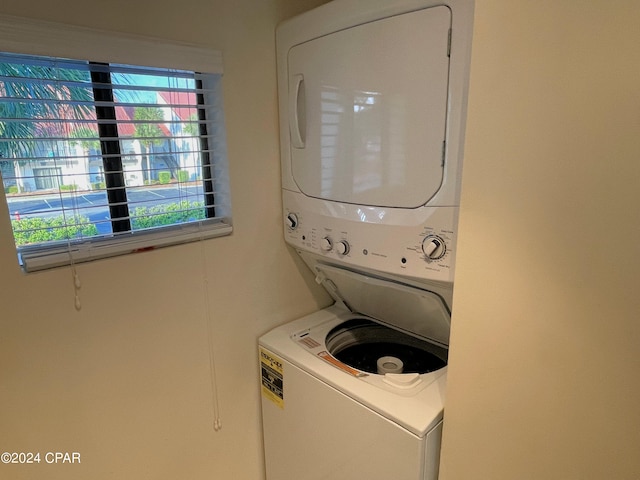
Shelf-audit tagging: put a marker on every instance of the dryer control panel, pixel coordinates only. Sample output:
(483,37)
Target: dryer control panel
(418,243)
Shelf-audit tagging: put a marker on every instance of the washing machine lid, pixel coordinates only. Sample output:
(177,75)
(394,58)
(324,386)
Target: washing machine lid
(408,308)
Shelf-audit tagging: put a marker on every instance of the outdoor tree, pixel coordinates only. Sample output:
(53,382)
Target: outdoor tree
(148,133)
(28,117)
(86,137)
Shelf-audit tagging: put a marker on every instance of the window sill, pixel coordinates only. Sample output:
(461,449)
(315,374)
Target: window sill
(39,258)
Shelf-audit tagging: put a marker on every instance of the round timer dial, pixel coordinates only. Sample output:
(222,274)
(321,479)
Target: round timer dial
(433,247)
(292,221)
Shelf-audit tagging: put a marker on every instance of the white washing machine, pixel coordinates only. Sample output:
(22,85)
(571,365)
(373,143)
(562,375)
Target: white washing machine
(372,99)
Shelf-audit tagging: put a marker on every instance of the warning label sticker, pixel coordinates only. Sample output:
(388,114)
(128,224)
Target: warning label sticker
(271,373)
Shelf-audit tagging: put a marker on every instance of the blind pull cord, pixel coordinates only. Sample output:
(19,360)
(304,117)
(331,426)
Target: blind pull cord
(74,273)
(77,284)
(217,422)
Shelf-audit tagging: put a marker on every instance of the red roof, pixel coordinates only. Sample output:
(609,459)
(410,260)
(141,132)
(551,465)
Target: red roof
(124,115)
(181,98)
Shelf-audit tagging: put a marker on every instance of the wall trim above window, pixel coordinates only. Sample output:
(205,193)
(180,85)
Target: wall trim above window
(37,37)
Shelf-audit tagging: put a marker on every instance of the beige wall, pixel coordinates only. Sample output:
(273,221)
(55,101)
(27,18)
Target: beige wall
(544,378)
(125,382)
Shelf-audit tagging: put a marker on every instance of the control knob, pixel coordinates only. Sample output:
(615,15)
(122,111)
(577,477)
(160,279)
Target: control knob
(292,221)
(326,244)
(433,247)
(342,247)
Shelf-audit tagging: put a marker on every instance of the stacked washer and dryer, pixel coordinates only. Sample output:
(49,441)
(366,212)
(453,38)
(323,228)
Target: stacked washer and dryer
(372,98)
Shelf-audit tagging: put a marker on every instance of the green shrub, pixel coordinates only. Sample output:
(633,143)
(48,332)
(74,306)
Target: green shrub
(11,189)
(164,177)
(40,230)
(183,176)
(171,214)
(98,185)
(68,188)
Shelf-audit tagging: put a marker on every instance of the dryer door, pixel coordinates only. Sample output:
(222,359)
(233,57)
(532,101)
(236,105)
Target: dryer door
(368,110)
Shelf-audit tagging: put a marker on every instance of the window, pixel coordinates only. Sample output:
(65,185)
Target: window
(101,159)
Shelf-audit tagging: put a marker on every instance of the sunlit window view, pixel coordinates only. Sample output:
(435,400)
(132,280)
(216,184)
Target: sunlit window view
(92,149)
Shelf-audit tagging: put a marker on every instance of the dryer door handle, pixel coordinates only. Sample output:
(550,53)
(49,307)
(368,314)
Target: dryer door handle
(297,111)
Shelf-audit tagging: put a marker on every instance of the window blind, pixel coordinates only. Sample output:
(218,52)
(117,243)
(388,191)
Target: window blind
(100,159)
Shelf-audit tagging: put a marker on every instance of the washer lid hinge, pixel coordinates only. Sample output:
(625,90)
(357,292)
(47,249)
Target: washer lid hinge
(330,287)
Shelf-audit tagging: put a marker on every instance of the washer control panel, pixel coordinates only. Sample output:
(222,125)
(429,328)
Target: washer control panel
(419,243)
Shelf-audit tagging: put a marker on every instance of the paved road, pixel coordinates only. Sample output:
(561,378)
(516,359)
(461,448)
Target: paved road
(93,205)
